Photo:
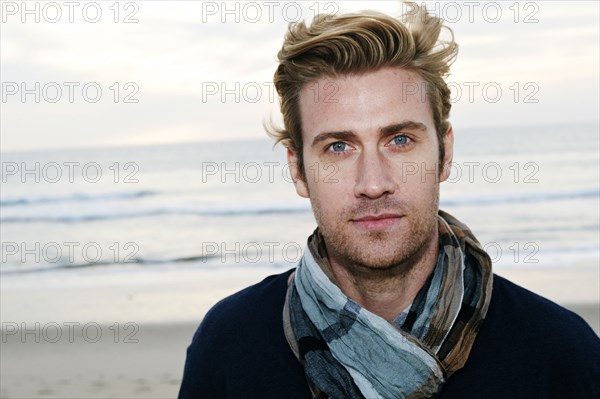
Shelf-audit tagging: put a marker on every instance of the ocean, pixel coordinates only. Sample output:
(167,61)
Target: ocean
(530,194)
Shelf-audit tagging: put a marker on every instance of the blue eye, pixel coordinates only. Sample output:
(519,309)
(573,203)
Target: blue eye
(338,147)
(400,140)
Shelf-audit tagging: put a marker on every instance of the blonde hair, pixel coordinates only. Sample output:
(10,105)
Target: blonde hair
(337,45)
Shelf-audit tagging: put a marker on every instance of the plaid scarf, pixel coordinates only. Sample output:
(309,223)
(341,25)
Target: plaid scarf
(350,353)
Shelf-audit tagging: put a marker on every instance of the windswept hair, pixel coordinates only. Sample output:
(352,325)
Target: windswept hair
(335,45)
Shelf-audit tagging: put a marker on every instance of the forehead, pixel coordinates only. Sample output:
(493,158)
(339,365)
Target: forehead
(364,101)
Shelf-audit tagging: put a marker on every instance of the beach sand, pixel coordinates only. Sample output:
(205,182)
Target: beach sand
(146,321)
(149,367)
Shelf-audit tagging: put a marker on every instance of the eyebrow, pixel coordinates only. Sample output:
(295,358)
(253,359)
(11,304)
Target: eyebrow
(383,132)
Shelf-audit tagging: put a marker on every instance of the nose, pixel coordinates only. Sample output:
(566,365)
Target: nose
(373,175)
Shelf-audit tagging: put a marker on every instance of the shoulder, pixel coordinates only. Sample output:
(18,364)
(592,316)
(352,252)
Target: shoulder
(254,308)
(534,316)
(540,345)
(255,303)
(239,350)
(529,347)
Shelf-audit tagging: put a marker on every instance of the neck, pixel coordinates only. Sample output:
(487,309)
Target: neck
(387,292)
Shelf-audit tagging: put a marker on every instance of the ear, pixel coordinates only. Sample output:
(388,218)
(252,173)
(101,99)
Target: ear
(448,153)
(299,182)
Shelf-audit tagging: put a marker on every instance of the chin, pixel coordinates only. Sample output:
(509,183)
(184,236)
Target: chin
(376,267)
(389,261)
(375,253)
(388,248)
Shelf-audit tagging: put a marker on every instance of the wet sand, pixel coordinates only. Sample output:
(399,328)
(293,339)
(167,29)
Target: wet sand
(133,333)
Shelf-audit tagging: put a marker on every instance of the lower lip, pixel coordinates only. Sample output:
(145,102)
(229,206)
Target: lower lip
(377,224)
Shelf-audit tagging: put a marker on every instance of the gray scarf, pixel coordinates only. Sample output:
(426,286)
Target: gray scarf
(348,352)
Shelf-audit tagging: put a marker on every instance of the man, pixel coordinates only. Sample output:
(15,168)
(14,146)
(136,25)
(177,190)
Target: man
(393,298)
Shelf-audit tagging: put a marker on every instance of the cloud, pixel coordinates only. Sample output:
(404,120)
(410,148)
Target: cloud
(178,50)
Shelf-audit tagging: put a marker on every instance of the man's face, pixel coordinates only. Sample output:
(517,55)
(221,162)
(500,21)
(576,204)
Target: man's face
(371,164)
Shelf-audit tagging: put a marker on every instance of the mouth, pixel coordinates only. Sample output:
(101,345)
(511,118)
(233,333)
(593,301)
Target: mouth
(377,222)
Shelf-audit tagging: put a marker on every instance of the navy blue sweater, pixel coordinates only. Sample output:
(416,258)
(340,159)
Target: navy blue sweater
(528,347)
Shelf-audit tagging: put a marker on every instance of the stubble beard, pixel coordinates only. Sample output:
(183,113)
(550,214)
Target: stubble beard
(378,254)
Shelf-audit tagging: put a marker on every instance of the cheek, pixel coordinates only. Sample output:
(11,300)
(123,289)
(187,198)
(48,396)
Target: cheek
(417,170)
(330,197)
(331,194)
(330,179)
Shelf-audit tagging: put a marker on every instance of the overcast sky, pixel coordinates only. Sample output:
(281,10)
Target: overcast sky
(104,73)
